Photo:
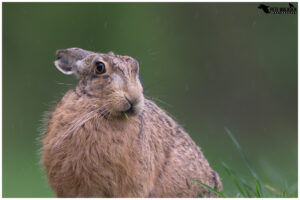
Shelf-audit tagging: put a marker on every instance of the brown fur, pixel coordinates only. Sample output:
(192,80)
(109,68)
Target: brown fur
(94,151)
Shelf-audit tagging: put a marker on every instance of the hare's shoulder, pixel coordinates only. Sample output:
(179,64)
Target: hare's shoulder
(53,109)
(164,125)
(67,109)
(158,116)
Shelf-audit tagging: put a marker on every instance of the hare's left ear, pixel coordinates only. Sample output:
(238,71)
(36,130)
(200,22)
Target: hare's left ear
(67,58)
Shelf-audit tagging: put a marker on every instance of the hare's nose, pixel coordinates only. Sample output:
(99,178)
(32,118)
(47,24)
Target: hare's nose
(132,100)
(131,106)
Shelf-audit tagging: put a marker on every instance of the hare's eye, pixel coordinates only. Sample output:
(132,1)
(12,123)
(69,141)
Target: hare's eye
(100,67)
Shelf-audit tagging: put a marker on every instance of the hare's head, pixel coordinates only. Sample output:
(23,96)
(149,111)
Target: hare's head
(110,79)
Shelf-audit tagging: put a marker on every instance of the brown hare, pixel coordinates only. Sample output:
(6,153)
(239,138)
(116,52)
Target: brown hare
(105,139)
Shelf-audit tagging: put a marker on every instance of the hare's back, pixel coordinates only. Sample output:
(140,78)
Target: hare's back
(177,155)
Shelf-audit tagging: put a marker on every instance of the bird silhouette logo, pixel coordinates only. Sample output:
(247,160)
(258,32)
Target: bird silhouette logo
(278,10)
(264,8)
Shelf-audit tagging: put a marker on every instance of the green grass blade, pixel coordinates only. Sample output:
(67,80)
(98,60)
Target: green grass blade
(235,180)
(257,181)
(125,115)
(208,187)
(253,173)
(245,184)
(247,187)
(237,145)
(257,189)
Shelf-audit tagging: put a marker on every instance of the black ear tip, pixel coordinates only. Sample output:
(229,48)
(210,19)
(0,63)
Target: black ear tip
(75,52)
(60,53)
(58,56)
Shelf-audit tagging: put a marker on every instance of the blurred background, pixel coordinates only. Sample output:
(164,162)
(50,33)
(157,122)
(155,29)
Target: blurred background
(210,65)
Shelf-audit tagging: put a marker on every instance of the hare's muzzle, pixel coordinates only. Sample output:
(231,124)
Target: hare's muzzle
(133,105)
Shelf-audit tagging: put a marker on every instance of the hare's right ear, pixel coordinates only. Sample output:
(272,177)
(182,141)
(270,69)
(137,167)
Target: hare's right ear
(67,58)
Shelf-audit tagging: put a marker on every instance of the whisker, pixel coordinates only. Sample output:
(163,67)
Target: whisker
(76,123)
(88,117)
(84,121)
(60,83)
(76,120)
(159,100)
(109,116)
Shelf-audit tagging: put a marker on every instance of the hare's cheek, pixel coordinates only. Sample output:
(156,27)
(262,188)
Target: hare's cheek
(118,101)
(138,83)
(140,106)
(139,86)
(117,80)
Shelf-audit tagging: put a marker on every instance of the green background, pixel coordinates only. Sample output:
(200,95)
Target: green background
(214,65)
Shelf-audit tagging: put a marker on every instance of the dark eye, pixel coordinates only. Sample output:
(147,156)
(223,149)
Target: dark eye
(100,67)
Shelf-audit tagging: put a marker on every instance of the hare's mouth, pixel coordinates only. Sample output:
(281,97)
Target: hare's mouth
(131,108)
(130,111)
(127,108)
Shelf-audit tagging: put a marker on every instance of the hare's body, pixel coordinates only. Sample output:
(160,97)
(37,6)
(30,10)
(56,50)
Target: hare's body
(88,153)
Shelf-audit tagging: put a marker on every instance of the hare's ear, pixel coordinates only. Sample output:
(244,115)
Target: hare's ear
(67,58)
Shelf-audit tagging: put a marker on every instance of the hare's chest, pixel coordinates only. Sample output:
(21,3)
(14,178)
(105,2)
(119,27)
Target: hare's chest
(106,157)
(120,146)
(117,162)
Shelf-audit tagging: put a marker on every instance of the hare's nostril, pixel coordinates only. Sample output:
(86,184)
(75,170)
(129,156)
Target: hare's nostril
(130,110)
(132,101)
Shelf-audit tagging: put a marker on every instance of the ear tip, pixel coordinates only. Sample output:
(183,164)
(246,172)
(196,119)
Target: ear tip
(67,58)
(60,52)
(68,49)
(57,64)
